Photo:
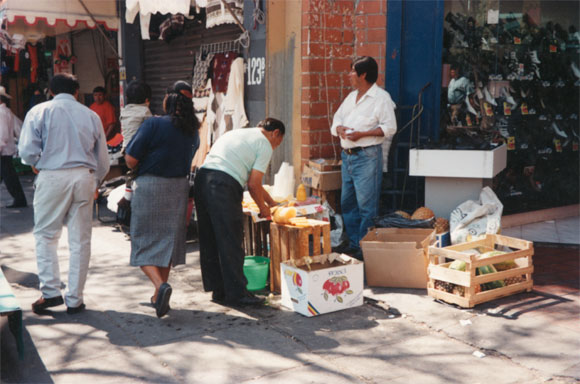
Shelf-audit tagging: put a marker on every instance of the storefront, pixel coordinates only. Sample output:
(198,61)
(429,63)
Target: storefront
(202,48)
(42,38)
(504,72)
(511,75)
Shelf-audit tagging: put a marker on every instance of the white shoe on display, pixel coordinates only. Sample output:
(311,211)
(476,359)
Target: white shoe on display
(505,93)
(488,97)
(470,107)
(534,57)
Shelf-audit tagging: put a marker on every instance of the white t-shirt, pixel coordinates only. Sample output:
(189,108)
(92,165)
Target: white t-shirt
(238,152)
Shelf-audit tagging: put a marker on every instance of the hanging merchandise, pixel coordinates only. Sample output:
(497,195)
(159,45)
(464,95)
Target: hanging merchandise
(146,8)
(171,27)
(217,12)
(200,100)
(64,58)
(221,70)
(201,69)
(235,113)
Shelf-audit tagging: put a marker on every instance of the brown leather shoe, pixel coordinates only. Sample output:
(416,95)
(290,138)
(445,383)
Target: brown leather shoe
(42,304)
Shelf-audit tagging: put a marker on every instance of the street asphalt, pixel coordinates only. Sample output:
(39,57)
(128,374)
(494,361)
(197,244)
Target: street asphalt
(396,336)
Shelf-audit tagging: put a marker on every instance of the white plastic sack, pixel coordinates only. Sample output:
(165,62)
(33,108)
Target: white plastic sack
(473,220)
(114,197)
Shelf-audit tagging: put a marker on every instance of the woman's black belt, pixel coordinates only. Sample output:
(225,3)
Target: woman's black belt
(352,151)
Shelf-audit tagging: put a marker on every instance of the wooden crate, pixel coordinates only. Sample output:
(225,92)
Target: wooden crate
(521,254)
(256,237)
(288,242)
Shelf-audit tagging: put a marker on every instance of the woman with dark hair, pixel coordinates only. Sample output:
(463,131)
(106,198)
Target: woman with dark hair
(161,152)
(237,158)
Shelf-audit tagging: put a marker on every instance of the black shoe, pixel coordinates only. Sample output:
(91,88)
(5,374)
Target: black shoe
(218,296)
(249,299)
(162,302)
(17,205)
(42,304)
(75,310)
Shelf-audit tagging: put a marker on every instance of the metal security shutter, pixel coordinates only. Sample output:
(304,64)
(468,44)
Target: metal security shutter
(165,63)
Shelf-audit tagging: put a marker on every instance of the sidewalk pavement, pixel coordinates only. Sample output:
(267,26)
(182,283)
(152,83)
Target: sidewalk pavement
(397,336)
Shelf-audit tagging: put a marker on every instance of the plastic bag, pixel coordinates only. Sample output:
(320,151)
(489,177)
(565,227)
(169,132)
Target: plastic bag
(473,220)
(337,233)
(393,220)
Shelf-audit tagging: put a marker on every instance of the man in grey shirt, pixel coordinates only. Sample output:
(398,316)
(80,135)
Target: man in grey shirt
(65,143)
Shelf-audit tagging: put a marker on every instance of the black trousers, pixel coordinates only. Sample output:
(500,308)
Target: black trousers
(11,180)
(218,202)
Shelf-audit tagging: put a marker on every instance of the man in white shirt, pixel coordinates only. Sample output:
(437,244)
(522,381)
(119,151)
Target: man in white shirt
(10,126)
(65,142)
(364,121)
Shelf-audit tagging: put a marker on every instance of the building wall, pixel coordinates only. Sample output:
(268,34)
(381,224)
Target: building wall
(333,33)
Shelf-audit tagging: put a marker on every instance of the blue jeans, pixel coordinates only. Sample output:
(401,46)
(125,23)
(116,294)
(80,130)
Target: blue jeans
(361,187)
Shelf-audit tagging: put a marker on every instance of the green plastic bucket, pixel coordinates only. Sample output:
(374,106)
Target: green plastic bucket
(256,271)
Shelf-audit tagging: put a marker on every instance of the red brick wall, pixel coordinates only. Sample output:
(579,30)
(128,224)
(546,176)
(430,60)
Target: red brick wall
(333,33)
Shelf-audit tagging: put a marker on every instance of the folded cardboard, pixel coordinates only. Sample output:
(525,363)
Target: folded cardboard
(321,180)
(397,257)
(325,165)
(321,284)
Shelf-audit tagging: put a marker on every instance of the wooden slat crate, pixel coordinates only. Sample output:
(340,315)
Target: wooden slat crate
(256,237)
(521,254)
(289,242)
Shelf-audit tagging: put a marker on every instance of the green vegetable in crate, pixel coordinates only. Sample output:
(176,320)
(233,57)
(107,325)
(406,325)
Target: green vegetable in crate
(492,284)
(457,265)
(504,265)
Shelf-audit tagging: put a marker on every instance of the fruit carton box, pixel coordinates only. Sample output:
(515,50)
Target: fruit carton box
(320,284)
(467,288)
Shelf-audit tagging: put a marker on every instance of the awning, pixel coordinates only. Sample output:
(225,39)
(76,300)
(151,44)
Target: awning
(53,17)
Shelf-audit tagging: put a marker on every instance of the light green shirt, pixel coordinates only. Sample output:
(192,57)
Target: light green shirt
(239,151)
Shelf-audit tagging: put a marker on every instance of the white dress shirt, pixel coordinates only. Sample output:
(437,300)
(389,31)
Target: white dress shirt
(374,109)
(62,133)
(10,126)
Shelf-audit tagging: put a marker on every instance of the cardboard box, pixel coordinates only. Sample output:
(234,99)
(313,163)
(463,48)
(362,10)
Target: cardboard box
(322,180)
(397,257)
(332,283)
(325,165)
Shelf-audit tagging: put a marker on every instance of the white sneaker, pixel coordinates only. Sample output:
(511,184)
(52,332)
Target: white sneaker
(488,97)
(575,69)
(534,57)
(470,107)
(505,93)
(558,131)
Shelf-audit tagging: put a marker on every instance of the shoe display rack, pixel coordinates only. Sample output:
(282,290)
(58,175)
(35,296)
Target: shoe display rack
(515,79)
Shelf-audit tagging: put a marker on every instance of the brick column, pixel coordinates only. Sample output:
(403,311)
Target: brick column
(333,33)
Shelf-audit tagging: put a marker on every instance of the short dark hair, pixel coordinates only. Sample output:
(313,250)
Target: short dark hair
(368,65)
(64,83)
(99,89)
(4,99)
(270,124)
(138,92)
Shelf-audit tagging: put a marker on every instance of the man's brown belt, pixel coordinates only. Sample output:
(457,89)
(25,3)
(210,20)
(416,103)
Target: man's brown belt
(352,151)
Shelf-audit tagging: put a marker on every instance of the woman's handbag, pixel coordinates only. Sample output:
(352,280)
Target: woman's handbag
(124,206)
(124,212)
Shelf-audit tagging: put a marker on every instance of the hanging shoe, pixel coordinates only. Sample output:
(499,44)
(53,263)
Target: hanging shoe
(575,69)
(534,56)
(488,97)
(470,107)
(505,93)
(558,131)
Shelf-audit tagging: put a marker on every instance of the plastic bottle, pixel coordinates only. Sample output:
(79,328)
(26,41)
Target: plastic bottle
(301,193)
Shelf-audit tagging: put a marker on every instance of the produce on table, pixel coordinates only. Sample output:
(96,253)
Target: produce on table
(403,214)
(441,225)
(422,213)
(283,215)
